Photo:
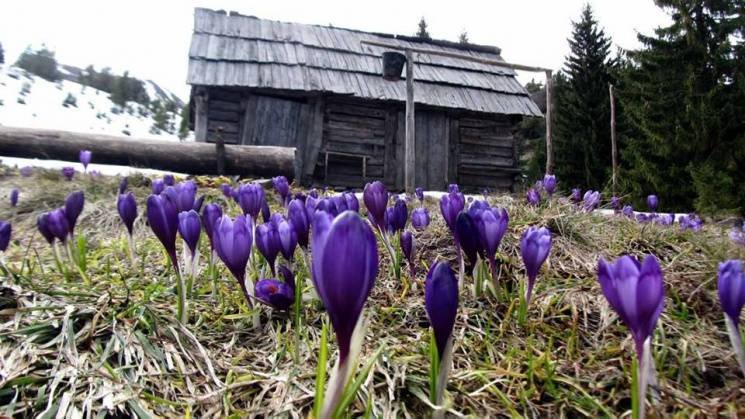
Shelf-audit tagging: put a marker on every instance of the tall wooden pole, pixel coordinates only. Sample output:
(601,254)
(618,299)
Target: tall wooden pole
(410,145)
(549,120)
(614,147)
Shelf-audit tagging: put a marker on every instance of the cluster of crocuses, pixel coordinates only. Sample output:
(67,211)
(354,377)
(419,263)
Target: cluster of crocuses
(58,226)
(547,185)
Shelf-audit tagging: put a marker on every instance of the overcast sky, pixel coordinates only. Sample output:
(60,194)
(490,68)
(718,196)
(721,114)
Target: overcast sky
(151,38)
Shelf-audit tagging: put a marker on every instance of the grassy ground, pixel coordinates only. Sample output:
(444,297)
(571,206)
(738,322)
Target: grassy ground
(114,346)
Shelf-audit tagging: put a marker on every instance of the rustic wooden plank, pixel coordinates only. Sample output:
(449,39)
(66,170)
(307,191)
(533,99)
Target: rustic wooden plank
(227,127)
(400,138)
(230,116)
(410,146)
(454,150)
(478,159)
(249,121)
(333,136)
(389,169)
(201,107)
(222,105)
(314,139)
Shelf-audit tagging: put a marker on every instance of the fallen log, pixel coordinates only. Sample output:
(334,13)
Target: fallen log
(184,157)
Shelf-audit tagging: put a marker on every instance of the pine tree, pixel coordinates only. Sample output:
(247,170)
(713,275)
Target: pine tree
(686,94)
(40,62)
(2,54)
(422,31)
(183,129)
(463,37)
(582,139)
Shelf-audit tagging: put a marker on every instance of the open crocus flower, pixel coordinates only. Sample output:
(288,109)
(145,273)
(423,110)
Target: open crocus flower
(5,231)
(345,265)
(375,197)
(85,158)
(68,172)
(535,246)
(232,240)
(441,304)
(549,184)
(73,207)
(298,217)
(190,229)
(14,197)
(282,186)
(533,197)
(420,218)
(277,294)
(731,288)
(251,199)
(636,292)
(652,202)
(590,200)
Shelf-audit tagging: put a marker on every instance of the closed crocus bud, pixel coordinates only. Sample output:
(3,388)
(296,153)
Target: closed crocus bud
(420,218)
(549,184)
(169,180)
(266,213)
(314,193)
(57,223)
(731,288)
(158,186)
(298,217)
(345,265)
(190,228)
(535,245)
(652,202)
(127,207)
(182,195)
(250,197)
(73,207)
(232,241)
(419,194)
(399,215)
(162,216)
(408,248)
(210,216)
(340,202)
(123,184)
(628,211)
(533,197)
(327,205)
(453,188)
(68,172)
(310,207)
(441,303)
(198,203)
(42,223)
(5,231)
(375,197)
(590,200)
(468,236)
(492,226)
(282,187)
(353,203)
(691,222)
(227,190)
(576,195)
(287,239)
(85,158)
(267,241)
(636,292)
(451,205)
(27,171)
(14,197)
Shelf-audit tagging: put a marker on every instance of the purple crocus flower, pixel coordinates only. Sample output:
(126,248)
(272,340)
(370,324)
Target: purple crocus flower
(636,292)
(287,238)
(314,193)
(27,171)
(339,202)
(227,190)
(652,202)
(251,199)
(467,234)
(42,223)
(492,225)
(198,203)
(690,222)
(211,214)
(158,186)
(162,215)
(352,202)
(375,197)
(396,216)
(737,235)
(615,204)
(68,172)
(267,241)
(576,195)
(731,288)
(123,185)
(628,211)
(535,245)
(420,194)
(298,217)
(5,231)
(345,265)
(182,195)
(73,207)
(420,218)
(533,197)
(441,303)
(169,180)
(127,207)
(549,184)
(190,228)
(85,158)
(453,188)
(57,224)
(451,205)
(282,186)
(232,241)
(590,200)
(14,197)
(407,246)
(277,294)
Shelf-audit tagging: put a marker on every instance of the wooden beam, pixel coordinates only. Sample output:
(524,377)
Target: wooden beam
(614,149)
(184,157)
(549,123)
(201,111)
(410,152)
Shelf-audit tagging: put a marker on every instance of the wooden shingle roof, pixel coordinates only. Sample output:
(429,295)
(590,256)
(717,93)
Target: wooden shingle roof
(237,50)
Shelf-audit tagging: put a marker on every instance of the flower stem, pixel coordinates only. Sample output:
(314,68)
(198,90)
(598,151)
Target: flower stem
(132,251)
(734,337)
(181,308)
(68,247)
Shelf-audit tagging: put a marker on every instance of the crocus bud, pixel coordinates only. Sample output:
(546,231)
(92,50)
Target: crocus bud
(287,238)
(158,186)
(691,222)
(190,228)
(314,193)
(298,217)
(27,171)
(198,203)
(57,223)
(14,197)
(251,199)
(420,218)
(42,223)
(68,172)
(282,187)
(549,184)
(267,241)
(162,216)
(635,292)
(352,202)
(375,197)
(468,236)
(615,203)
(453,188)
(266,213)
(652,202)
(169,180)
(576,195)
(535,245)
(407,246)
(182,195)
(397,216)
(210,216)
(533,197)
(590,200)
(737,235)
(85,158)
(492,225)
(73,207)
(227,190)
(420,194)
(441,303)
(232,241)
(451,205)
(345,265)
(127,207)
(628,211)
(5,230)
(731,288)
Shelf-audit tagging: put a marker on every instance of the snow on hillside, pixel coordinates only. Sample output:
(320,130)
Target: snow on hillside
(29,101)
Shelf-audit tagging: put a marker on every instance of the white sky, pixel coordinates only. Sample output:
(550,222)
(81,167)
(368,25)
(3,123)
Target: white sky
(151,38)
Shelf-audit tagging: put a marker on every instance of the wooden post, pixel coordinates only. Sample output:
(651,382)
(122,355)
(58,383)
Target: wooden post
(220,152)
(410,144)
(201,104)
(614,147)
(549,115)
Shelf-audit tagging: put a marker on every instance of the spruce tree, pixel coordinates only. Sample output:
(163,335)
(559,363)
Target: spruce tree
(686,95)
(422,31)
(2,54)
(582,121)
(463,37)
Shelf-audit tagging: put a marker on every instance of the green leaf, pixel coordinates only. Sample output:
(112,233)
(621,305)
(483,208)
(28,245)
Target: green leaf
(351,390)
(321,372)
(434,367)
(82,250)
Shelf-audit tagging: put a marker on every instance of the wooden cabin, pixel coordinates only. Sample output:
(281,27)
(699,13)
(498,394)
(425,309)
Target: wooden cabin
(317,88)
